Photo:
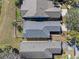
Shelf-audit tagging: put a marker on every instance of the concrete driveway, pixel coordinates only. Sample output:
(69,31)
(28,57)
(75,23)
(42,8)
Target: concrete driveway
(64,12)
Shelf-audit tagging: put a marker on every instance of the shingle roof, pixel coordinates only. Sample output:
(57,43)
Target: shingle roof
(38,8)
(40,49)
(35,55)
(30,46)
(39,25)
(35,4)
(35,34)
(32,29)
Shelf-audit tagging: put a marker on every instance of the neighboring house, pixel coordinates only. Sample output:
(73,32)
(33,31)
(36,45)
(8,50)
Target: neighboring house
(40,49)
(40,18)
(45,29)
(40,10)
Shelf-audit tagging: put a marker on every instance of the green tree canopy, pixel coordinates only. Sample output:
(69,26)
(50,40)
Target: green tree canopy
(70,2)
(18,2)
(73,19)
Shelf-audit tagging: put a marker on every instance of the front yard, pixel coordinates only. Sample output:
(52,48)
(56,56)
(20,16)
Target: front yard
(8,16)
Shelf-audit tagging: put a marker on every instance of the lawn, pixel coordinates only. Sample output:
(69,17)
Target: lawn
(77,57)
(18,14)
(8,15)
(61,56)
(77,0)
(0,10)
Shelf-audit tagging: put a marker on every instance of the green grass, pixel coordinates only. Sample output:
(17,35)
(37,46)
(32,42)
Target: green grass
(18,14)
(0,10)
(66,57)
(9,17)
(77,57)
(76,0)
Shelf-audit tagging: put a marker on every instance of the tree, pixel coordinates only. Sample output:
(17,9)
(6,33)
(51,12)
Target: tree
(18,2)
(70,2)
(73,19)
(15,51)
(73,35)
(20,29)
(72,22)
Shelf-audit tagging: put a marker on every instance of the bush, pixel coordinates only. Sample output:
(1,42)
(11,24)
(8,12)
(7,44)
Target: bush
(18,3)
(1,50)
(18,14)
(14,24)
(7,49)
(73,19)
(20,29)
(15,51)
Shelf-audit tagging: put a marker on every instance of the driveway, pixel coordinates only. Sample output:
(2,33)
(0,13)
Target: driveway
(64,12)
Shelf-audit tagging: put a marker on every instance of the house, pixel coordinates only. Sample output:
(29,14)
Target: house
(40,10)
(40,49)
(44,29)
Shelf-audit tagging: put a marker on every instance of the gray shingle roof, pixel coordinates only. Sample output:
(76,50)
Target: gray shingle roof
(35,34)
(39,8)
(53,12)
(32,29)
(35,55)
(40,49)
